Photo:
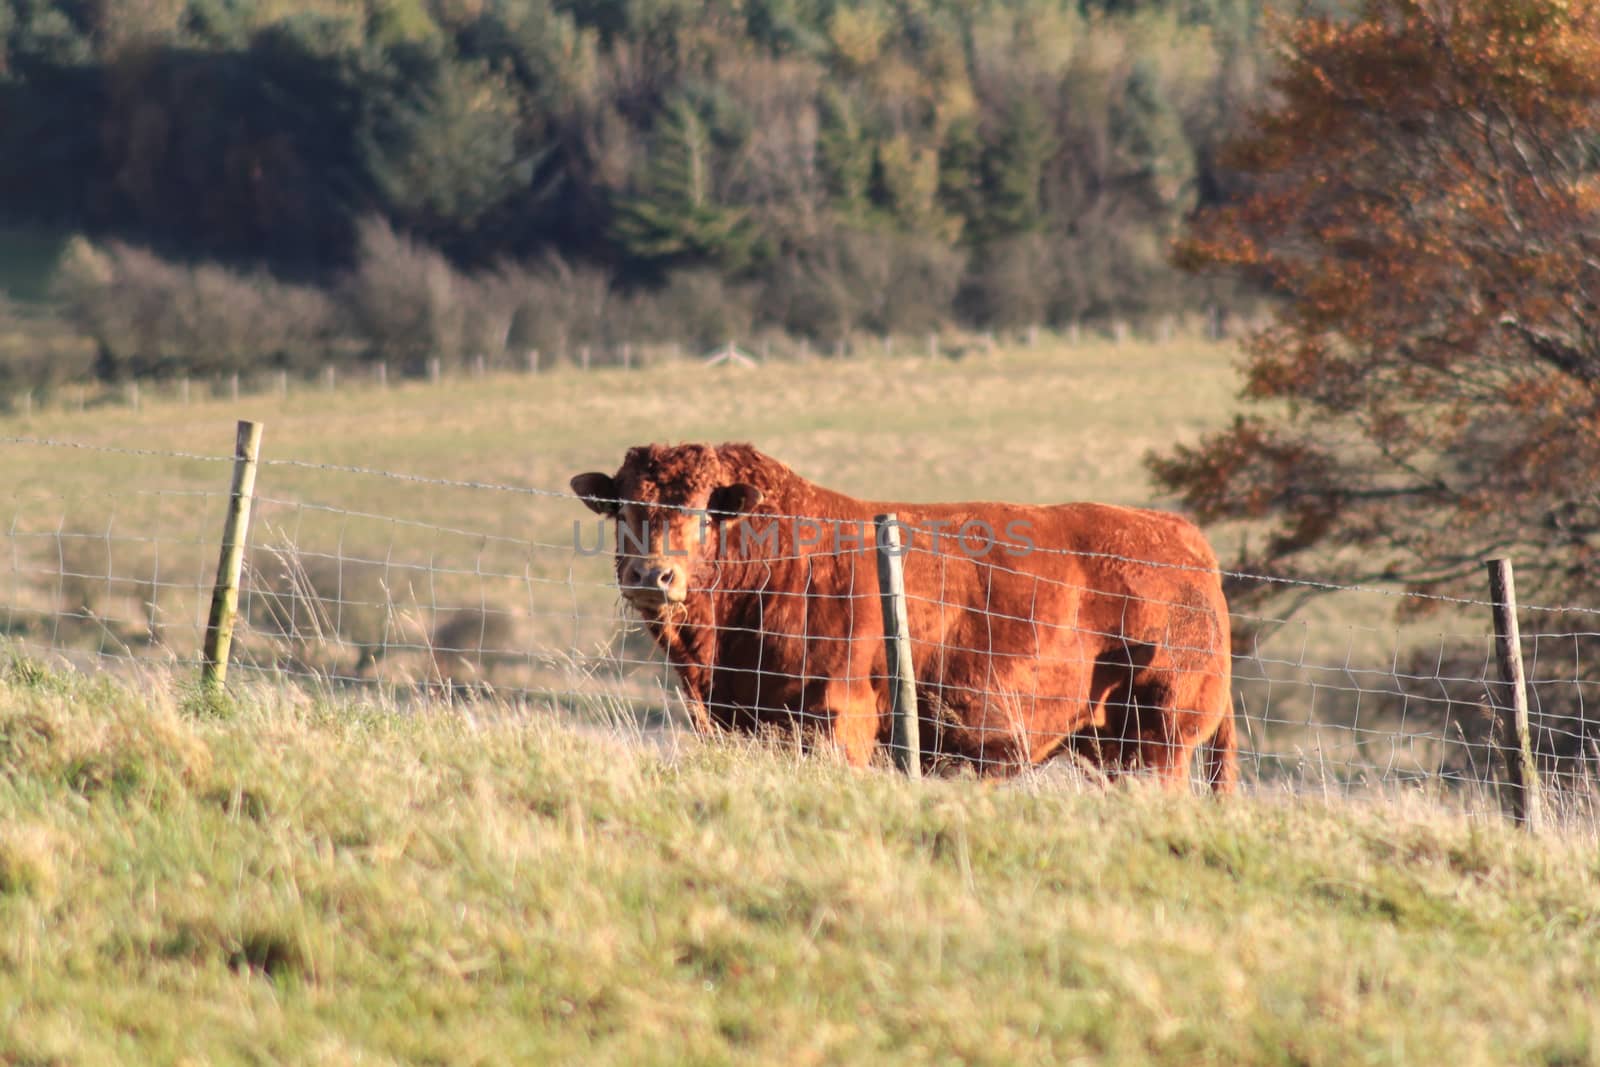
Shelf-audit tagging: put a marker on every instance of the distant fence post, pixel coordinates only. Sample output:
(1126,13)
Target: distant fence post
(435,371)
(533,361)
(225,594)
(904,742)
(1513,735)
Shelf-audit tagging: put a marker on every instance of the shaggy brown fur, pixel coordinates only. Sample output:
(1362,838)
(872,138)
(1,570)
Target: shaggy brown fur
(1110,635)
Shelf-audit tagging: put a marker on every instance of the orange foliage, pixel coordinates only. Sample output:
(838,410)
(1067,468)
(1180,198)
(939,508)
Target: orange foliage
(1424,195)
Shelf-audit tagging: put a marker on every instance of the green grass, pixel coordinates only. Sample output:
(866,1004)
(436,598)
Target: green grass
(302,880)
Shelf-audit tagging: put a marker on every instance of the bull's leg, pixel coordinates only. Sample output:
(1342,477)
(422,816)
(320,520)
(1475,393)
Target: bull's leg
(1176,713)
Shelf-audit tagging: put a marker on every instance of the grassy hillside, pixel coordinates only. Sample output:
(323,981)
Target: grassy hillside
(308,881)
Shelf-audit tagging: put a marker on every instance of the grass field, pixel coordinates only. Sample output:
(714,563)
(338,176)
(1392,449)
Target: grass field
(1051,424)
(310,874)
(313,882)
(113,554)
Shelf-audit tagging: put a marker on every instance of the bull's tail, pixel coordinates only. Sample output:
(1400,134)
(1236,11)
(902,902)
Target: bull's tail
(1222,755)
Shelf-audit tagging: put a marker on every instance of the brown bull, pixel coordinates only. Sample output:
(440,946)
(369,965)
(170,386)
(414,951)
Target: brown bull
(1033,627)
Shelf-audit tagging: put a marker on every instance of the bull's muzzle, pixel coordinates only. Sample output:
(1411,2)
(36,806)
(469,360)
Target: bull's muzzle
(649,587)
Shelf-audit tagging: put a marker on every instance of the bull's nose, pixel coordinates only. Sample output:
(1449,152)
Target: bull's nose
(649,582)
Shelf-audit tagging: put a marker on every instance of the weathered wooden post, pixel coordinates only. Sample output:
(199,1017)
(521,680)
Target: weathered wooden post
(225,594)
(583,357)
(183,390)
(933,345)
(479,366)
(283,385)
(383,374)
(627,356)
(133,394)
(435,371)
(330,377)
(1512,734)
(533,361)
(233,386)
(904,740)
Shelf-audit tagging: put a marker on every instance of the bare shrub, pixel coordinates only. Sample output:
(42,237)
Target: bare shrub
(699,307)
(557,306)
(39,350)
(149,316)
(858,280)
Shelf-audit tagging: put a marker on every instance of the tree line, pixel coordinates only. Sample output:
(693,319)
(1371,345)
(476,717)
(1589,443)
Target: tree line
(819,166)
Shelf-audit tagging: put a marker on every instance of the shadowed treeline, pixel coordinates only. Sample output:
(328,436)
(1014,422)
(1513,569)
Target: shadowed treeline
(816,167)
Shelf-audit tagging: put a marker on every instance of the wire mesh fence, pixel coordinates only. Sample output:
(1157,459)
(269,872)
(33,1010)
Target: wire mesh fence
(453,590)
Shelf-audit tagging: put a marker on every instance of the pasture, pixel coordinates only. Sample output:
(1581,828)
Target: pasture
(129,530)
(370,580)
(335,882)
(336,873)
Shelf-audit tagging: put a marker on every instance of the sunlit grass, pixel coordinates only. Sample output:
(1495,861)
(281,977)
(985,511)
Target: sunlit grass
(305,880)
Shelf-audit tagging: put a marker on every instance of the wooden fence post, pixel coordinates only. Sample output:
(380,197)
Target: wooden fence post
(1513,735)
(904,740)
(283,384)
(435,371)
(533,361)
(225,594)
(383,374)
(233,386)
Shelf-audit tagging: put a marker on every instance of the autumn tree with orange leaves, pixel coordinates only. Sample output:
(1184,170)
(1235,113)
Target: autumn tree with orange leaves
(1424,196)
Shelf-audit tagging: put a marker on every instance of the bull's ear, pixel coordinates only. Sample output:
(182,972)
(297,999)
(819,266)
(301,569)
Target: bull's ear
(731,501)
(598,492)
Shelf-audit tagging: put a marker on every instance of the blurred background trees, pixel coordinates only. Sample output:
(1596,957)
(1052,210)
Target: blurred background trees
(884,165)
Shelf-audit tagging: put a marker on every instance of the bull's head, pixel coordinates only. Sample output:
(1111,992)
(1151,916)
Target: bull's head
(669,505)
